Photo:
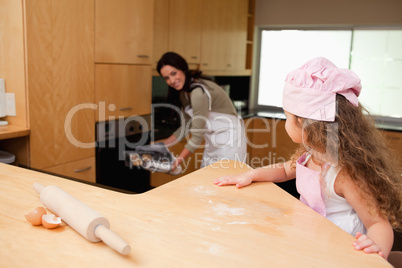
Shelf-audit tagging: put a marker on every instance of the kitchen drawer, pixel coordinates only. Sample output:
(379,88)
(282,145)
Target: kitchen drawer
(83,169)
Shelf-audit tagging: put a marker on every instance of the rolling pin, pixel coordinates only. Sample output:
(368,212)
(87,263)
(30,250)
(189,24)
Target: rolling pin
(86,221)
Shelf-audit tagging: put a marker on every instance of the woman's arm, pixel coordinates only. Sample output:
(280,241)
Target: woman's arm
(380,236)
(275,173)
(170,141)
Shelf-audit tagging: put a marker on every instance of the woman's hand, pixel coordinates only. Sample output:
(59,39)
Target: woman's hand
(240,180)
(363,242)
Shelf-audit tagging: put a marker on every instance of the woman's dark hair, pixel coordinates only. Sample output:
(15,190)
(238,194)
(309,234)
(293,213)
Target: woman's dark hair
(175,60)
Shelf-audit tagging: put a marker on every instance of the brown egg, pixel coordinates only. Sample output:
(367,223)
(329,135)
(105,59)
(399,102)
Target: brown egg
(50,221)
(35,216)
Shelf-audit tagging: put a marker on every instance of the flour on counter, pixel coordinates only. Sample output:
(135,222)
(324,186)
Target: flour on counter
(239,222)
(223,209)
(214,249)
(202,190)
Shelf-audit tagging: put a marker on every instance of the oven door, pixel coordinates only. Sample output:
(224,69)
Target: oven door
(111,167)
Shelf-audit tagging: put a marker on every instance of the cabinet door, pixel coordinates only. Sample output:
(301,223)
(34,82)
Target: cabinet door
(82,169)
(161,30)
(122,90)
(224,35)
(236,34)
(60,71)
(214,42)
(185,29)
(123,31)
(394,142)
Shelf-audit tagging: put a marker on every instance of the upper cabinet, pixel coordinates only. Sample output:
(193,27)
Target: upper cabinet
(124,31)
(122,90)
(161,30)
(123,57)
(210,34)
(185,28)
(224,35)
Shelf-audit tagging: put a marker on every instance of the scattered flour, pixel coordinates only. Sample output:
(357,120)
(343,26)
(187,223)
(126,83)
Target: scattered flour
(202,190)
(239,222)
(223,209)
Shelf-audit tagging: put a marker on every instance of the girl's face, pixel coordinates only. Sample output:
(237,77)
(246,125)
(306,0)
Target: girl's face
(293,128)
(175,78)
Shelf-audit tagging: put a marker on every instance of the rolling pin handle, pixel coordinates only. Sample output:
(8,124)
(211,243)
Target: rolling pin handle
(112,240)
(38,187)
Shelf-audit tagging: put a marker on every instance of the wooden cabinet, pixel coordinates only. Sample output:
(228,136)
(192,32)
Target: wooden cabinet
(250,34)
(122,90)
(268,141)
(82,169)
(161,30)
(124,31)
(60,71)
(394,142)
(210,34)
(224,35)
(177,27)
(185,28)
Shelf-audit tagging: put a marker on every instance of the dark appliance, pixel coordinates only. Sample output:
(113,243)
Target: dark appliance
(113,139)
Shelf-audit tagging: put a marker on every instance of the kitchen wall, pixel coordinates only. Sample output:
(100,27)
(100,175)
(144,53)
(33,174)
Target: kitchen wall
(340,12)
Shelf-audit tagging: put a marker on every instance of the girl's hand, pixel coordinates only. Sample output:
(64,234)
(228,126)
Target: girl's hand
(239,180)
(364,243)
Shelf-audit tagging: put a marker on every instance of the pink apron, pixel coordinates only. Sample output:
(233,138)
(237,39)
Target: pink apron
(308,185)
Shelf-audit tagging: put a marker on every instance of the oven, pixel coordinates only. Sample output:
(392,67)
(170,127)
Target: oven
(113,139)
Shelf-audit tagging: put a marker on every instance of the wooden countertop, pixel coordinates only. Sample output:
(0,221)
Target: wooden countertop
(189,222)
(13,131)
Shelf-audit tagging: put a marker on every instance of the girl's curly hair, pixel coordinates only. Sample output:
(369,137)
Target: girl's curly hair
(358,147)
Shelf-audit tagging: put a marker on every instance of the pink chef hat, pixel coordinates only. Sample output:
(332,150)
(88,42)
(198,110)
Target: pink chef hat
(310,91)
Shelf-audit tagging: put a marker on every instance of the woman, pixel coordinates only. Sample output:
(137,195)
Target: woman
(210,114)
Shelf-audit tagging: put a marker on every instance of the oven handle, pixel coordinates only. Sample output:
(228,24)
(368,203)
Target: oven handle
(82,169)
(125,108)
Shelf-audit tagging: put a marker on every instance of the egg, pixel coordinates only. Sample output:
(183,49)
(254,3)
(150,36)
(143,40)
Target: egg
(35,216)
(50,221)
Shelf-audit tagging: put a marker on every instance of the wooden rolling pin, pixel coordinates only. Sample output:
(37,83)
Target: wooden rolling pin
(86,221)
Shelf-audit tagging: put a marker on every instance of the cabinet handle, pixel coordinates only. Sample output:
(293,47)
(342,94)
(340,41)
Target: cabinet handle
(82,169)
(143,56)
(194,57)
(205,64)
(229,65)
(125,108)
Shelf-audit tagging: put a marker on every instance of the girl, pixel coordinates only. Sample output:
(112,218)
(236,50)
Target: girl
(343,170)
(213,116)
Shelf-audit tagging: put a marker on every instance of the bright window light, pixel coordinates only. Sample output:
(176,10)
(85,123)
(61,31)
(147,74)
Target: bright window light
(282,51)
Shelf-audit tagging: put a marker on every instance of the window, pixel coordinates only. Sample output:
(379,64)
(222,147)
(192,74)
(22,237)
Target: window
(374,55)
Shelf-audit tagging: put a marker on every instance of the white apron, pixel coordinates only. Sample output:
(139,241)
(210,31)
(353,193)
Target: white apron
(224,137)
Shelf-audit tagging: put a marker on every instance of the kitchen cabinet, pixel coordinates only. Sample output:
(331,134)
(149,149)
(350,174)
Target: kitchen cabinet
(210,35)
(268,142)
(60,80)
(250,34)
(83,169)
(394,142)
(161,30)
(122,90)
(123,31)
(224,35)
(185,28)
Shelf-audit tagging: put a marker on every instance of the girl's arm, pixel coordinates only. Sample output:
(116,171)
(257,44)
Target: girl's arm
(275,173)
(380,236)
